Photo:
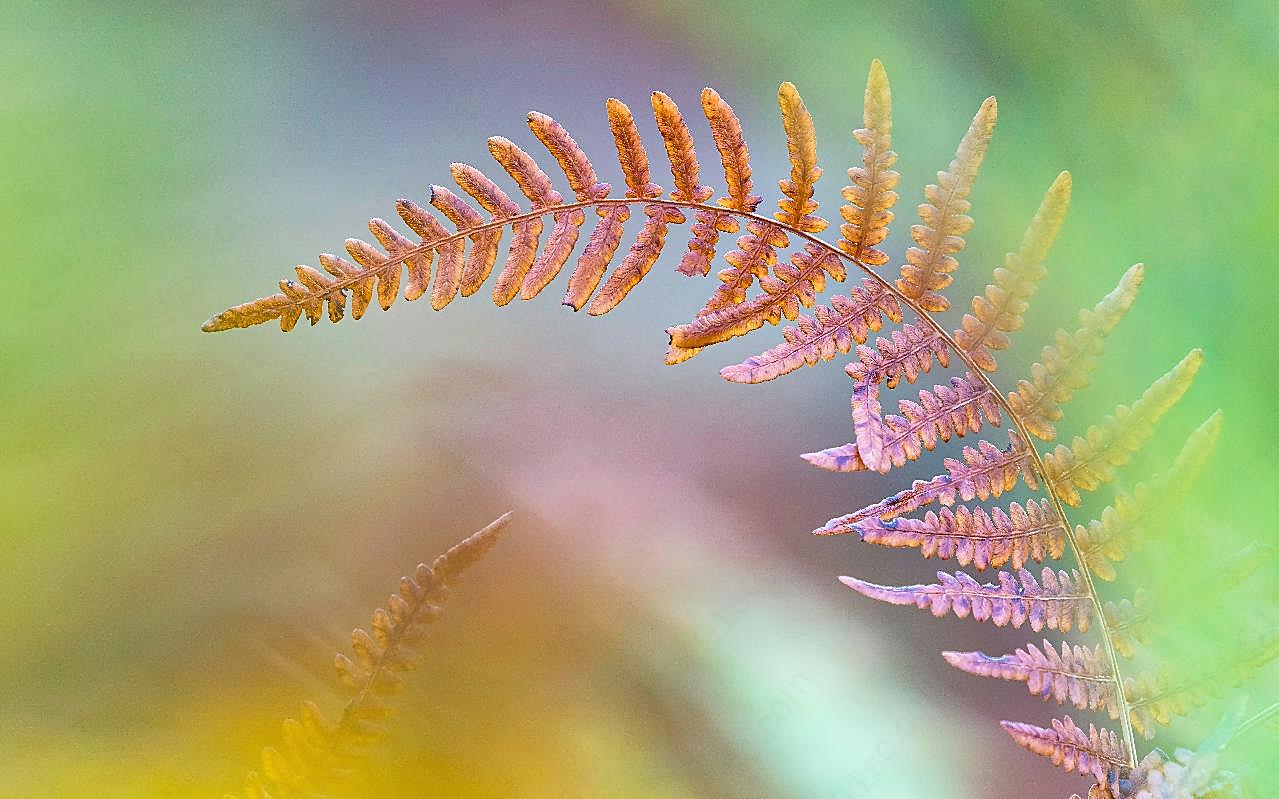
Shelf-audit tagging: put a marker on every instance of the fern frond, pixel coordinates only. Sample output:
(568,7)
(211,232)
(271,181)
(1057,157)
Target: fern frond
(985,472)
(726,130)
(830,331)
(1066,365)
(318,754)
(999,310)
(910,351)
(1094,753)
(607,234)
(480,261)
(1092,460)
(1076,674)
(974,536)
(1185,774)
(631,154)
(586,187)
(639,261)
(499,206)
(795,284)
(945,219)
(1119,530)
(944,412)
(1057,600)
(790,278)
(1155,701)
(726,314)
(600,248)
(685,170)
(536,185)
(869,200)
(1128,622)
(1160,698)
(797,205)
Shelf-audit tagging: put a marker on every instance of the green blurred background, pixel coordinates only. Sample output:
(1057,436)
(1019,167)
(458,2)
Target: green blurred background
(191,524)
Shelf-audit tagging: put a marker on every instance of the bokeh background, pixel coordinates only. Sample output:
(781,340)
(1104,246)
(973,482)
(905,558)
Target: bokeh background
(191,524)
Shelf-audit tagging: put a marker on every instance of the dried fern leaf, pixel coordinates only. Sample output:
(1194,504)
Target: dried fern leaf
(559,246)
(631,154)
(1076,674)
(830,331)
(607,235)
(726,130)
(907,353)
(999,310)
(371,260)
(985,471)
(449,268)
(485,243)
(727,314)
(910,351)
(317,755)
(755,255)
(945,219)
(597,255)
(1057,601)
(1094,753)
(1066,365)
(388,286)
(280,306)
(637,263)
(1122,524)
(652,236)
(679,151)
(577,167)
(869,199)
(797,205)
(796,284)
(479,262)
(946,411)
(586,187)
(537,187)
(1092,459)
(975,536)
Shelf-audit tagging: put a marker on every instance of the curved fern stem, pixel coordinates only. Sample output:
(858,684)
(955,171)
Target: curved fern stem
(395,260)
(1037,460)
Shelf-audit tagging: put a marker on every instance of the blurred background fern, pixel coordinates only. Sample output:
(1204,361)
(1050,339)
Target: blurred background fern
(192,524)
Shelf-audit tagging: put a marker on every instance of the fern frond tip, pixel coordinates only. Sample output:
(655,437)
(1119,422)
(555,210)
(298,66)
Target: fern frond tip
(881,592)
(462,555)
